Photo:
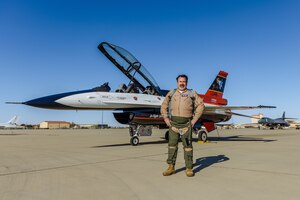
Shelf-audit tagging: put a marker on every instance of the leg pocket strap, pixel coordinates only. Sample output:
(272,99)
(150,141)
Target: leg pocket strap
(188,149)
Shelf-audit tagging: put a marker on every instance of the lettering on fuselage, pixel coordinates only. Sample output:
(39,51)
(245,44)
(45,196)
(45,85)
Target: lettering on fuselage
(151,101)
(155,116)
(121,98)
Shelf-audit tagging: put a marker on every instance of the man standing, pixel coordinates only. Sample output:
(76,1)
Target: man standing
(181,109)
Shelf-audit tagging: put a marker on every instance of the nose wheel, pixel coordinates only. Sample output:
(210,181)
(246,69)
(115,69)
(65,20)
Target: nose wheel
(134,141)
(133,132)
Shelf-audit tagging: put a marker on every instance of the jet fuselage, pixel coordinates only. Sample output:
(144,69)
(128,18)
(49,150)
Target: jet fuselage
(138,108)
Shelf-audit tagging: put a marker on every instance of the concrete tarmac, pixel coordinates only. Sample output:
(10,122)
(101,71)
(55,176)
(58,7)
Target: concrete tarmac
(101,164)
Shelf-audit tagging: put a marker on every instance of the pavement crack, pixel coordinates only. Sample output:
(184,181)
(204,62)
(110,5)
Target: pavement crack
(74,165)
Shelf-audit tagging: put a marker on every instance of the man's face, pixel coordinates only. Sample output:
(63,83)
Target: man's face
(181,83)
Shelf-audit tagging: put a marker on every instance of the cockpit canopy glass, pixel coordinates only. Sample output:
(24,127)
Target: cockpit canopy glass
(130,66)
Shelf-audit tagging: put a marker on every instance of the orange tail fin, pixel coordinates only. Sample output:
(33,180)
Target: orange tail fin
(217,87)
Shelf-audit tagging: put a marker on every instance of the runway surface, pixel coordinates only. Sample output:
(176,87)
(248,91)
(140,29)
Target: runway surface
(101,164)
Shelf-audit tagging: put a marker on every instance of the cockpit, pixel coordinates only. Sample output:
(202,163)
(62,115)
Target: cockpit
(131,88)
(140,80)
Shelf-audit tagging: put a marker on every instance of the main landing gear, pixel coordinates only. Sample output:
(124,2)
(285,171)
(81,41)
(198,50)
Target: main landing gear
(202,135)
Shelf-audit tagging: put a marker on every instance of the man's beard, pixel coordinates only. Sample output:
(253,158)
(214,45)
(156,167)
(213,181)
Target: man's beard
(182,87)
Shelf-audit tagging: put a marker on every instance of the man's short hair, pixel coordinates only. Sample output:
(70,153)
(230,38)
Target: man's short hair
(182,76)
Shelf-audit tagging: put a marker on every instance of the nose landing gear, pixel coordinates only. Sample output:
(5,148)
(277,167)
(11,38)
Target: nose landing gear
(134,141)
(138,130)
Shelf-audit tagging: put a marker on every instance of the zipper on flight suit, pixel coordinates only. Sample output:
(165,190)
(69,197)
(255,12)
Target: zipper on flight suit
(179,103)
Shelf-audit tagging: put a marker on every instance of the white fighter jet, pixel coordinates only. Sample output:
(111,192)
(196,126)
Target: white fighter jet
(138,103)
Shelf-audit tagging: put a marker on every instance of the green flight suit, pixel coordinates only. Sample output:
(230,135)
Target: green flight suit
(181,124)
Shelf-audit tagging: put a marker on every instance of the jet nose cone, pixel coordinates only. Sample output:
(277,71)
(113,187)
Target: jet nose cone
(46,102)
(43,102)
(51,102)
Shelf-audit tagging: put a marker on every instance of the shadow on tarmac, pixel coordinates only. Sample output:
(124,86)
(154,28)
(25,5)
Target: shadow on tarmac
(212,139)
(11,134)
(202,163)
(239,138)
(128,144)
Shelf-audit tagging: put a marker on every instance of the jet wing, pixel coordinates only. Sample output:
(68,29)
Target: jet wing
(131,67)
(214,109)
(227,110)
(242,115)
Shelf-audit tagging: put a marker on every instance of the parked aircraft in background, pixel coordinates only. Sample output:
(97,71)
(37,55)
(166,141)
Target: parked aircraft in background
(11,123)
(294,123)
(275,123)
(138,103)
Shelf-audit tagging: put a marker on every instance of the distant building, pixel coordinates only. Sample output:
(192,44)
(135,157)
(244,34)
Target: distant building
(55,125)
(30,126)
(103,126)
(258,116)
(93,126)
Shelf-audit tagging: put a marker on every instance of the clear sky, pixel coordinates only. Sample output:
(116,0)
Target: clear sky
(49,47)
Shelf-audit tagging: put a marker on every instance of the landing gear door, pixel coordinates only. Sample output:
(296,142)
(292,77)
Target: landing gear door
(131,67)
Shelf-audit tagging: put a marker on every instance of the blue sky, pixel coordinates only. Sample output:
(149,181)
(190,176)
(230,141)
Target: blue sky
(50,47)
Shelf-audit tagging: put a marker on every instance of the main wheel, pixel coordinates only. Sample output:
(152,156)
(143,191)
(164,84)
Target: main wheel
(134,141)
(167,135)
(202,136)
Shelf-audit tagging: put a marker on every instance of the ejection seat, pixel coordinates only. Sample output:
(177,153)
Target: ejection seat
(149,90)
(122,88)
(132,88)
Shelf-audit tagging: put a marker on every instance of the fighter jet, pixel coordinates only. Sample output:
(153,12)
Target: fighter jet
(275,123)
(10,124)
(137,104)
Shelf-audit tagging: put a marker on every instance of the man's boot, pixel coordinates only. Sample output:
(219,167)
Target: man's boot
(170,170)
(189,172)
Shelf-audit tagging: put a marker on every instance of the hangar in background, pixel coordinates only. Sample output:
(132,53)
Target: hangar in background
(55,125)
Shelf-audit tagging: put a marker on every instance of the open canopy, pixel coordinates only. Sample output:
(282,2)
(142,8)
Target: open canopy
(131,67)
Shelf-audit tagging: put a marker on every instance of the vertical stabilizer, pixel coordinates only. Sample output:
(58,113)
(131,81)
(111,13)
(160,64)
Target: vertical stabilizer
(283,115)
(13,121)
(217,87)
